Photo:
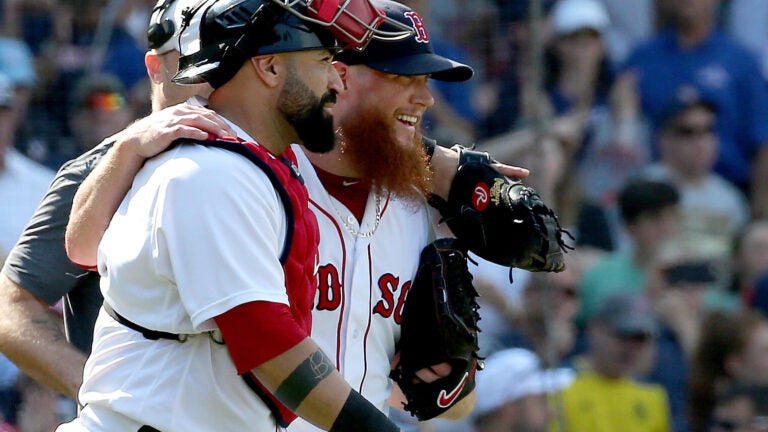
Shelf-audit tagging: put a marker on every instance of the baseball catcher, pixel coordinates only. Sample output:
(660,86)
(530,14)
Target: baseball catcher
(439,326)
(500,219)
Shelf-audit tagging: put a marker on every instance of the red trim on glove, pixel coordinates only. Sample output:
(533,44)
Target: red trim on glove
(259,331)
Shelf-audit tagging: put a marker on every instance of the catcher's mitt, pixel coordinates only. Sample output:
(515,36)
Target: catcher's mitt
(500,219)
(439,325)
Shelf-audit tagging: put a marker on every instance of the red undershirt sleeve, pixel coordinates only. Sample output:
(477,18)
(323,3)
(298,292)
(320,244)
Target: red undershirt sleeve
(258,331)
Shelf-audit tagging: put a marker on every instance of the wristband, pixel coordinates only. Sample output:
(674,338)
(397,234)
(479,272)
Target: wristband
(470,155)
(358,414)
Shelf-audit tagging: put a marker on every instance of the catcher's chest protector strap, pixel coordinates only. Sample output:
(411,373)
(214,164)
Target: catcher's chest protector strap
(156,334)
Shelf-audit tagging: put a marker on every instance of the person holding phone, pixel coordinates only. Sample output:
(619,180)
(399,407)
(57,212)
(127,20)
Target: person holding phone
(678,285)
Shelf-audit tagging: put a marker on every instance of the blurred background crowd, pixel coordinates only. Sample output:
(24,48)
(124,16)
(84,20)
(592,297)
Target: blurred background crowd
(644,123)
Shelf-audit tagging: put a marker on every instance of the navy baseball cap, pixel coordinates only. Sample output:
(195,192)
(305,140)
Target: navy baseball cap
(413,55)
(685,97)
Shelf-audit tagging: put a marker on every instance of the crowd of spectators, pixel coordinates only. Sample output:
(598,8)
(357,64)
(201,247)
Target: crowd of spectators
(643,123)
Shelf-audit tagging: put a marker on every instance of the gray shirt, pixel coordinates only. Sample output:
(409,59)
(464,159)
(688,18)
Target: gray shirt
(40,264)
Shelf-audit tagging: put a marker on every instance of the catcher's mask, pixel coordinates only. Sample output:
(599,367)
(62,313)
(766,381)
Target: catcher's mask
(353,22)
(218,36)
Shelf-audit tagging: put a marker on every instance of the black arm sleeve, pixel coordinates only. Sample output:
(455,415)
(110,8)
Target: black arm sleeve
(359,415)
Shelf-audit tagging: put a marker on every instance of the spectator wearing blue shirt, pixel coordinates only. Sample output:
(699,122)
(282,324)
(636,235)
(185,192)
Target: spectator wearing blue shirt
(693,52)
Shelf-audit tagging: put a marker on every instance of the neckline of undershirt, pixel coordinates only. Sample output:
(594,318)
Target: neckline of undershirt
(352,192)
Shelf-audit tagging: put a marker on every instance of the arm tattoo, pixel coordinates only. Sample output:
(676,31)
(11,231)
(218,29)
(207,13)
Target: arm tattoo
(307,375)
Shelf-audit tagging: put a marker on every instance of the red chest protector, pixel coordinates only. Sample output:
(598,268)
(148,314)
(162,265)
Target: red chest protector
(299,255)
(298,258)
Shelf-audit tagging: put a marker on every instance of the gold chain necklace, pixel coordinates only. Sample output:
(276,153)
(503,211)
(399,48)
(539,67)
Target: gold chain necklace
(352,229)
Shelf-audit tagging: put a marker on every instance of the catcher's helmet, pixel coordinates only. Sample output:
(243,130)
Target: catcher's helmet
(217,36)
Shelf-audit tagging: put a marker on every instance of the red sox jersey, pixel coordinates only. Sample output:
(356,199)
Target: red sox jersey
(171,260)
(364,275)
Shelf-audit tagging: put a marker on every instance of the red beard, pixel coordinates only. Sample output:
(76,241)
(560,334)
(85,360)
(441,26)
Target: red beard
(370,142)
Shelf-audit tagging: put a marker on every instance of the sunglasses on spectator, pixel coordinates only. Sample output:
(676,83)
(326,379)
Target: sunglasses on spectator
(691,131)
(105,101)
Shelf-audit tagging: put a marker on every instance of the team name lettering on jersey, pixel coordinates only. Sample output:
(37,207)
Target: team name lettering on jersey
(388,305)
(328,287)
(392,293)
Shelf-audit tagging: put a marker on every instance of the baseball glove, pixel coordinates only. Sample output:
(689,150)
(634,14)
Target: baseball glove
(500,219)
(439,324)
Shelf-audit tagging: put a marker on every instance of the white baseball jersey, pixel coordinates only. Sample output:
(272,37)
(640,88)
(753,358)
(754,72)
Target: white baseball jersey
(199,233)
(362,284)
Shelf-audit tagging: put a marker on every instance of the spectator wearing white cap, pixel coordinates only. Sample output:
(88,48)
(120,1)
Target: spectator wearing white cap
(512,392)
(607,140)
(569,16)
